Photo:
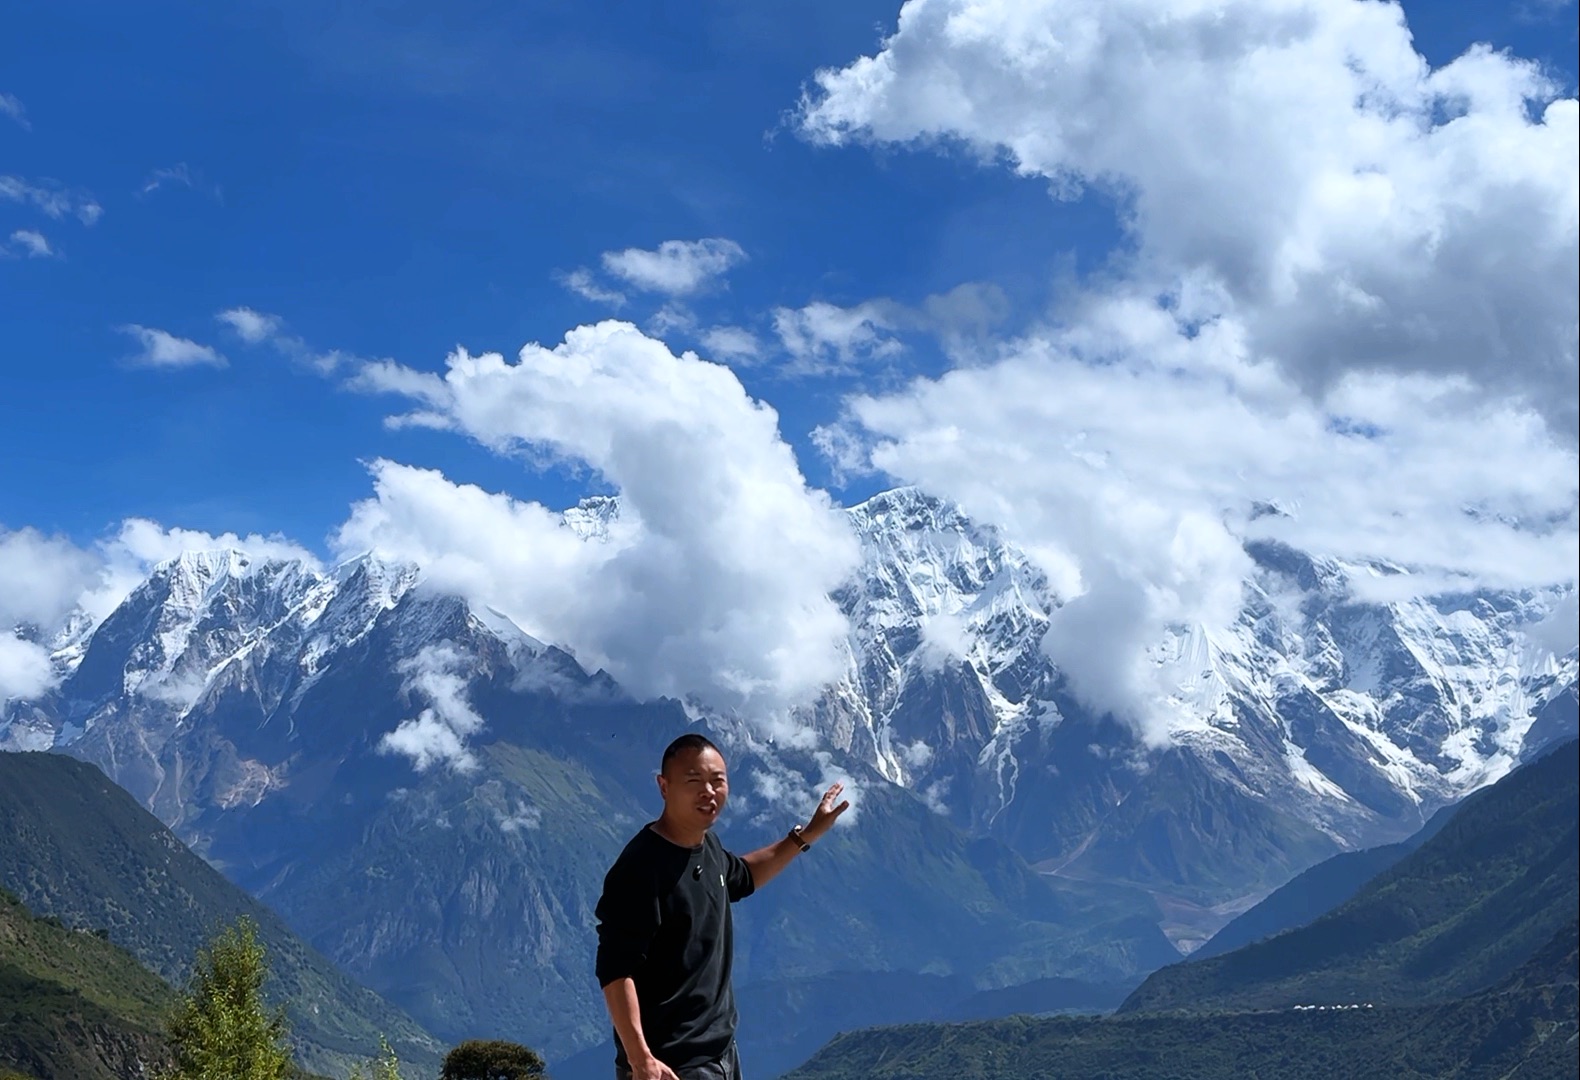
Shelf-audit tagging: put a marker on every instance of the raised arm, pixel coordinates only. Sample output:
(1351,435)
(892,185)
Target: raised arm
(765,863)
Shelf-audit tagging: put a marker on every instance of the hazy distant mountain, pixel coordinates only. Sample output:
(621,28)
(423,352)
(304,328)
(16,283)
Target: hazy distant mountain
(1315,892)
(430,795)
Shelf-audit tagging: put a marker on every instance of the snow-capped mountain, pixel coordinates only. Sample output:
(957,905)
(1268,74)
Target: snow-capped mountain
(1315,723)
(1333,722)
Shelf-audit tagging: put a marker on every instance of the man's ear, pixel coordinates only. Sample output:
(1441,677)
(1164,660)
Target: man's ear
(663,786)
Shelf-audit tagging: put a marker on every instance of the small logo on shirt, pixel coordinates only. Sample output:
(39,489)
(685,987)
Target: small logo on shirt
(721,881)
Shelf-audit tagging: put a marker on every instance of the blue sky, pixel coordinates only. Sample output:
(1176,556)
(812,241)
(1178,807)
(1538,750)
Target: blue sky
(396,179)
(1114,276)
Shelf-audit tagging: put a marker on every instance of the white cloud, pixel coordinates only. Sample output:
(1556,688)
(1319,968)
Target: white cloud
(11,106)
(1295,163)
(581,282)
(825,339)
(34,244)
(259,328)
(1352,278)
(1128,460)
(731,344)
(677,267)
(437,735)
(164,350)
(251,326)
(41,578)
(179,174)
(51,199)
(713,580)
(25,668)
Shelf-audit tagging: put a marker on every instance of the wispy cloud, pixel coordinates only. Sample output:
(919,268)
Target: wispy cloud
(732,344)
(582,282)
(164,350)
(33,244)
(12,107)
(261,328)
(51,198)
(180,175)
(675,267)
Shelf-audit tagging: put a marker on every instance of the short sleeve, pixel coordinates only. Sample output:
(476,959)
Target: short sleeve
(737,875)
(628,918)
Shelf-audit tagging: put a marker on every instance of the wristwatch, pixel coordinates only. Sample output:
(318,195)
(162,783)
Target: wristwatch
(798,839)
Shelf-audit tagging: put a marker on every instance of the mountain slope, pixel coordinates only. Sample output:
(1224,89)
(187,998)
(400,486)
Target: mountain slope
(76,847)
(1314,892)
(74,1005)
(1525,1027)
(1460,913)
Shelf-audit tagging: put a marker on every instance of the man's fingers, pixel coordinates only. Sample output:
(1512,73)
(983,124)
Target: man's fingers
(841,808)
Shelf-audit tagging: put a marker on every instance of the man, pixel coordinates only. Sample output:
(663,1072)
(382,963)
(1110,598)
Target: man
(665,936)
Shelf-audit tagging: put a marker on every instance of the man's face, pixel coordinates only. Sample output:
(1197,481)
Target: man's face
(695,787)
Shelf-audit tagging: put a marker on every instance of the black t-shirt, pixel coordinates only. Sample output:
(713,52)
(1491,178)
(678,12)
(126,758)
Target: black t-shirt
(664,922)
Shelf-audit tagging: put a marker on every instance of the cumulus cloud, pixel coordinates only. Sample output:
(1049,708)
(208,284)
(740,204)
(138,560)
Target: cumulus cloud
(51,199)
(712,581)
(582,282)
(1351,288)
(12,107)
(161,349)
(260,328)
(1296,160)
(33,244)
(438,734)
(1134,482)
(676,267)
(825,339)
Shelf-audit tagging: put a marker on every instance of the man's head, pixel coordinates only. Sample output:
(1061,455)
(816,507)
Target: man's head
(693,781)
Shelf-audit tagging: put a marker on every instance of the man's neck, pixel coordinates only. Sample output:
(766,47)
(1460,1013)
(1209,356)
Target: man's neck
(681,837)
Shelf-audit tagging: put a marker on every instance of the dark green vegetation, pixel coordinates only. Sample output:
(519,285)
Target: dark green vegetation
(1315,892)
(72,1005)
(1460,960)
(1462,912)
(491,1059)
(76,847)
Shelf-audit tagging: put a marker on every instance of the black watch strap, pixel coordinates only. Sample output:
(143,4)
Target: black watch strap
(799,840)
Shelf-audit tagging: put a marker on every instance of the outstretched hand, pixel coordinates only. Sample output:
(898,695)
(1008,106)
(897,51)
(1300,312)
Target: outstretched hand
(826,814)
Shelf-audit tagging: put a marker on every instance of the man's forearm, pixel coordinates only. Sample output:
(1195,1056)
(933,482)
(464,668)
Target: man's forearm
(765,863)
(626,1012)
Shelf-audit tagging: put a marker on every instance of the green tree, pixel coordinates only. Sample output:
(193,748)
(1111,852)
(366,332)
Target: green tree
(491,1059)
(384,1067)
(221,1029)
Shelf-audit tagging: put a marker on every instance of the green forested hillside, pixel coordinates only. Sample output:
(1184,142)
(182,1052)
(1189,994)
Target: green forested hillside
(1468,907)
(1523,1028)
(72,1004)
(75,846)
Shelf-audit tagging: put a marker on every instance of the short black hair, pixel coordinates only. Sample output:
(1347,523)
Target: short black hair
(691,740)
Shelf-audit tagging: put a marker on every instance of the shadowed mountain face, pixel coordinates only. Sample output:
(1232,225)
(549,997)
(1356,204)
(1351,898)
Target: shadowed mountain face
(1458,915)
(430,796)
